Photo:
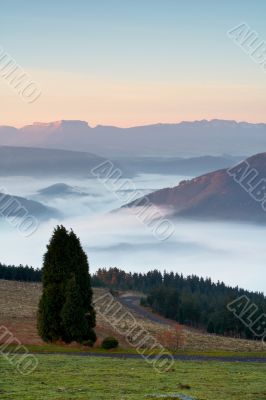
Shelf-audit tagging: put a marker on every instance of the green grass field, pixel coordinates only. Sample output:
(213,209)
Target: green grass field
(62,377)
(60,348)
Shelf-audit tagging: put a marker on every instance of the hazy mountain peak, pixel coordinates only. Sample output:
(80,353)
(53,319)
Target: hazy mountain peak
(60,124)
(61,190)
(185,139)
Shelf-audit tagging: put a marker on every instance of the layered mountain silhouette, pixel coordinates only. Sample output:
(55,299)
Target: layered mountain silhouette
(61,190)
(236,194)
(189,166)
(42,162)
(15,206)
(15,161)
(187,139)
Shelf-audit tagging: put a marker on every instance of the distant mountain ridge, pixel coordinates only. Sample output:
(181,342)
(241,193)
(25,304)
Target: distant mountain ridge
(61,190)
(28,161)
(16,206)
(189,139)
(193,166)
(42,162)
(233,195)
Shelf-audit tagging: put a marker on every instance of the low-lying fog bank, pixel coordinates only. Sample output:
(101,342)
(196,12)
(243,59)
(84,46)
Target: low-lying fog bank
(234,253)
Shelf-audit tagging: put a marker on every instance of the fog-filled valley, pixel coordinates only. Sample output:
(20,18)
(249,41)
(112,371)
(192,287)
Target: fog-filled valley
(232,252)
(132,200)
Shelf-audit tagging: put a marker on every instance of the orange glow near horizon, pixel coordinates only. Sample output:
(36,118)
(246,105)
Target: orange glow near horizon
(121,103)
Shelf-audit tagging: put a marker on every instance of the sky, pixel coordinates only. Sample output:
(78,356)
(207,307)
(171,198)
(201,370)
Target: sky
(132,62)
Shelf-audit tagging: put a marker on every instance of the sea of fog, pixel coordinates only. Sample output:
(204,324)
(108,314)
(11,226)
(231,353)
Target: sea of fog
(234,253)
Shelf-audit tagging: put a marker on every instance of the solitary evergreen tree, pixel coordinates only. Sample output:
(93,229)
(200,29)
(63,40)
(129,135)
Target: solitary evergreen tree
(74,320)
(65,309)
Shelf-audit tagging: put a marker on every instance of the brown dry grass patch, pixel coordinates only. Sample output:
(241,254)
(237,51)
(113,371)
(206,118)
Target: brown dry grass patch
(18,310)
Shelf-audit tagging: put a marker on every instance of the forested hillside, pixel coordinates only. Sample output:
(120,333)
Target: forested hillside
(13,273)
(190,300)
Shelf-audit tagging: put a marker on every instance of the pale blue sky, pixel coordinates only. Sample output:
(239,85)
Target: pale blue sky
(170,42)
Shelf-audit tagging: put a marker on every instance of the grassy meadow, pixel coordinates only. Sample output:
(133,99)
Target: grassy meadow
(62,377)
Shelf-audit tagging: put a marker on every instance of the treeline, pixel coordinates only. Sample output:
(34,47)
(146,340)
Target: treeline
(190,300)
(21,273)
(115,278)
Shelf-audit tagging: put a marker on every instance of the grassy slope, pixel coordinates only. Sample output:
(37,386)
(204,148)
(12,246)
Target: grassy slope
(18,307)
(65,378)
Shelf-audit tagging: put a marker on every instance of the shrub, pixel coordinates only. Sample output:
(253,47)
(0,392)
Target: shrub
(88,343)
(173,338)
(110,343)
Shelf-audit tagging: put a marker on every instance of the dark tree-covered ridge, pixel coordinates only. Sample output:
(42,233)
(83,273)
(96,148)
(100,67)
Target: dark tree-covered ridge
(20,273)
(190,300)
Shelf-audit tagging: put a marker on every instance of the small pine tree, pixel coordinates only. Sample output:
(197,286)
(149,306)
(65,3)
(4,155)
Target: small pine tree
(65,309)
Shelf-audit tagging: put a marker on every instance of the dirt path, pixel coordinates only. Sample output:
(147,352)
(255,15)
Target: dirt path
(177,357)
(133,303)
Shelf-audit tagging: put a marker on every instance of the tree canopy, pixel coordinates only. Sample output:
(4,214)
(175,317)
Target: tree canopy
(66,309)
